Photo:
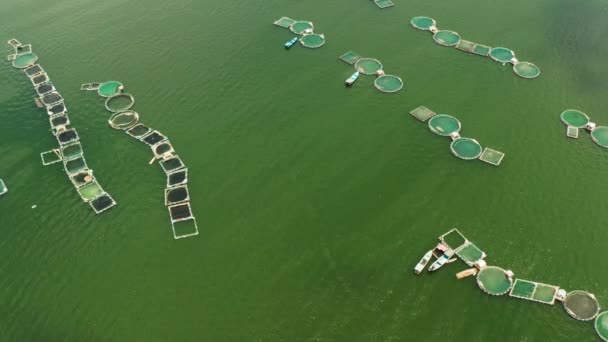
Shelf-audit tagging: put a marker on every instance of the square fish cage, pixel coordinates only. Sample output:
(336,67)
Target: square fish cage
(172,164)
(71,151)
(176,195)
(177,178)
(33,70)
(67,136)
(491,156)
(163,149)
(422,113)
(102,203)
(482,50)
(572,132)
(51,157)
(82,178)
(183,222)
(465,45)
(533,291)
(138,131)
(75,165)
(153,138)
(59,120)
(453,239)
(350,57)
(469,253)
(284,22)
(90,191)
(384,3)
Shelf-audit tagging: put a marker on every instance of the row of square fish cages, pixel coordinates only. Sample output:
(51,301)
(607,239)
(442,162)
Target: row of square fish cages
(177,197)
(496,281)
(69,150)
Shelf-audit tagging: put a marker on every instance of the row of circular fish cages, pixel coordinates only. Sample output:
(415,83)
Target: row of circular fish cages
(70,151)
(177,197)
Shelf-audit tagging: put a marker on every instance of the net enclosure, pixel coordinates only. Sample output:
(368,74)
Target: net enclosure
(172,164)
(533,291)
(350,57)
(82,177)
(502,54)
(162,149)
(600,135)
(177,178)
(44,88)
(581,305)
(388,83)
(102,203)
(572,132)
(301,26)
(25,60)
(601,325)
(110,88)
(71,151)
(368,66)
(526,70)
(423,23)
(153,138)
(313,40)
(444,125)
(493,280)
(574,118)
(75,165)
(384,3)
(182,221)
(120,102)
(33,70)
(176,195)
(453,239)
(138,131)
(491,156)
(422,113)
(482,50)
(466,148)
(90,191)
(446,38)
(469,253)
(51,98)
(51,157)
(284,22)
(67,136)
(123,120)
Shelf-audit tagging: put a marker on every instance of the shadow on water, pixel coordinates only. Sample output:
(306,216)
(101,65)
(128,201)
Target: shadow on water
(580,28)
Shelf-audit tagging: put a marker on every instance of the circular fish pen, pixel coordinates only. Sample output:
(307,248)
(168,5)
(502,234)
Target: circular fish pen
(368,66)
(574,118)
(526,70)
(501,54)
(446,38)
(123,120)
(120,102)
(299,27)
(25,60)
(581,305)
(466,148)
(601,325)
(494,281)
(600,136)
(444,125)
(110,88)
(423,23)
(388,83)
(312,41)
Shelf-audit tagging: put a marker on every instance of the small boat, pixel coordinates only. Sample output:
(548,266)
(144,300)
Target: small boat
(349,82)
(442,260)
(291,42)
(423,262)
(466,273)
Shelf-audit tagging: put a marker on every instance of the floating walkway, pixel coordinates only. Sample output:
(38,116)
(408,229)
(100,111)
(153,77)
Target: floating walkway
(305,29)
(177,196)
(69,150)
(383,3)
(496,281)
(464,148)
(498,54)
(575,120)
(371,66)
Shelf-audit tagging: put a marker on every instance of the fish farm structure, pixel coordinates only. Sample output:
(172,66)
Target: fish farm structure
(496,281)
(122,118)
(574,120)
(371,66)
(383,3)
(498,54)
(305,29)
(464,148)
(69,150)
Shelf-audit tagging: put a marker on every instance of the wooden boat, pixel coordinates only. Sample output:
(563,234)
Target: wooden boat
(442,260)
(291,42)
(349,82)
(423,262)
(466,273)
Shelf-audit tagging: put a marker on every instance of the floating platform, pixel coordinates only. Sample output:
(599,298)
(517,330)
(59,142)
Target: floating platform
(601,325)
(120,102)
(422,113)
(533,291)
(384,3)
(581,305)
(388,83)
(313,40)
(284,22)
(3,188)
(493,280)
(350,57)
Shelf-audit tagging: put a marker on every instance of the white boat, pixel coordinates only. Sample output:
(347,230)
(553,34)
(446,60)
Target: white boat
(442,260)
(423,262)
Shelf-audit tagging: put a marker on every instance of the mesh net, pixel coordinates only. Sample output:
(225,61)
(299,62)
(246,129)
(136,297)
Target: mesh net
(446,38)
(368,66)
(388,83)
(526,70)
(56,109)
(33,70)
(466,148)
(422,23)
(444,124)
(574,118)
(312,40)
(491,156)
(422,113)
(600,135)
(42,78)
(493,280)
(501,54)
(350,57)
(581,305)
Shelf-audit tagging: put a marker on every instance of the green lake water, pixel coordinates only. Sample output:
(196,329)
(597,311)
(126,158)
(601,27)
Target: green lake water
(314,201)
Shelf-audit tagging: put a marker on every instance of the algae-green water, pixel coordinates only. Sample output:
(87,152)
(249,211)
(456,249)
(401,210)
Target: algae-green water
(314,201)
